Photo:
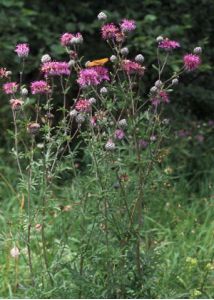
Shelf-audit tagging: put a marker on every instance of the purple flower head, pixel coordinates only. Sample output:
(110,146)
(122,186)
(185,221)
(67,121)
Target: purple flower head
(160,97)
(66,38)
(183,133)
(191,61)
(143,144)
(92,76)
(119,134)
(127,25)
(22,50)
(168,45)
(10,87)
(109,31)
(199,138)
(39,87)
(132,67)
(55,68)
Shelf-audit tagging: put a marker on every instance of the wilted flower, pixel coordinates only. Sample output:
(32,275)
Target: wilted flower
(66,38)
(132,67)
(119,134)
(45,58)
(22,50)
(33,128)
(109,31)
(101,16)
(139,58)
(14,252)
(127,25)
(10,87)
(39,87)
(16,104)
(191,61)
(168,45)
(82,105)
(110,145)
(54,68)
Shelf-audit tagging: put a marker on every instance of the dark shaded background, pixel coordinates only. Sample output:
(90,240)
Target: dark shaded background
(40,23)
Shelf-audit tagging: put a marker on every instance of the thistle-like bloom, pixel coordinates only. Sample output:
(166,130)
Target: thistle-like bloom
(82,105)
(3,73)
(16,104)
(143,144)
(168,45)
(66,38)
(55,68)
(161,97)
(39,87)
(92,76)
(132,67)
(119,134)
(127,25)
(109,31)
(191,61)
(10,87)
(22,50)
(33,128)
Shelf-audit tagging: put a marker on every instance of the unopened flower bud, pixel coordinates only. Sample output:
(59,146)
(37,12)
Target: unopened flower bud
(24,92)
(153,89)
(113,58)
(92,100)
(124,51)
(71,63)
(110,145)
(122,123)
(49,116)
(103,90)
(45,58)
(38,227)
(158,83)
(175,81)
(33,128)
(14,252)
(159,39)
(139,58)
(197,50)
(80,118)
(8,73)
(73,113)
(101,16)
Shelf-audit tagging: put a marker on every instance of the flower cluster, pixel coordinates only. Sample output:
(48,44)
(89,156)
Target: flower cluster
(39,87)
(93,76)
(22,50)
(132,67)
(55,68)
(10,87)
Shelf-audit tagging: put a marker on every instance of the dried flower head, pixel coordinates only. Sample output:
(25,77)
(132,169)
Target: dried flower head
(16,104)
(33,128)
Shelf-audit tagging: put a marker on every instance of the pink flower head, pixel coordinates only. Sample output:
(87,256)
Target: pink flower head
(127,25)
(66,38)
(16,104)
(10,87)
(119,134)
(93,121)
(161,97)
(82,105)
(92,76)
(132,67)
(191,61)
(39,87)
(168,45)
(109,31)
(55,68)
(22,50)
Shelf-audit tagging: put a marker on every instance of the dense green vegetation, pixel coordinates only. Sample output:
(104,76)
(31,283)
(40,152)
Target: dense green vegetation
(178,229)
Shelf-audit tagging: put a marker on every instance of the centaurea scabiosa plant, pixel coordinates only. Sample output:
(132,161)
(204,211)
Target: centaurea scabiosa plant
(115,125)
